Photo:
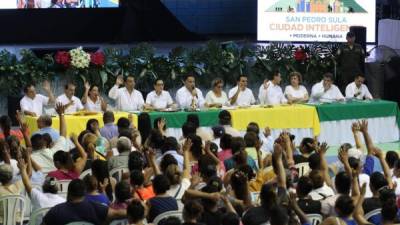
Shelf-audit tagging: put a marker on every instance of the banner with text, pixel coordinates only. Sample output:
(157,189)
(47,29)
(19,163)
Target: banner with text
(314,20)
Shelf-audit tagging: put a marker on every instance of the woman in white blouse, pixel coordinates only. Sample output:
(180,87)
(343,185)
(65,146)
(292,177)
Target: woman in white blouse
(92,100)
(295,92)
(217,97)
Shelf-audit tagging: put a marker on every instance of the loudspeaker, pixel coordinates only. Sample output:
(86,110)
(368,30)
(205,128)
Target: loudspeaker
(361,36)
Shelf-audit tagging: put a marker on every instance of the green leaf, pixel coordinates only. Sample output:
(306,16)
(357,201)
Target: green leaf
(103,76)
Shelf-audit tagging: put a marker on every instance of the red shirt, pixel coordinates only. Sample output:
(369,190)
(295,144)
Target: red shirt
(224,154)
(61,175)
(16,133)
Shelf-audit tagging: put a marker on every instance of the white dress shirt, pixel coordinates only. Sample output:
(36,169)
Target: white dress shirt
(126,101)
(352,89)
(211,98)
(93,106)
(318,94)
(245,98)
(301,92)
(184,98)
(63,99)
(273,95)
(34,105)
(159,101)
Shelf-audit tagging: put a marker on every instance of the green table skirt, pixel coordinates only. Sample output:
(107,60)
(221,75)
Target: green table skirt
(208,118)
(357,110)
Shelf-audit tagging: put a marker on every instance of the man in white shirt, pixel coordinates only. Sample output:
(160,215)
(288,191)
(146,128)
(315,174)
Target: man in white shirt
(326,91)
(241,95)
(189,96)
(126,98)
(159,99)
(72,103)
(32,103)
(358,89)
(270,93)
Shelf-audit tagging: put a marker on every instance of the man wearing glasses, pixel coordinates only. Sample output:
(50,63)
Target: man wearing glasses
(159,99)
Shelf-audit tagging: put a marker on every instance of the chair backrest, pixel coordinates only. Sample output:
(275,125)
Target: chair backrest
(80,223)
(117,172)
(120,222)
(85,173)
(303,168)
(374,212)
(63,187)
(315,219)
(177,214)
(37,216)
(13,207)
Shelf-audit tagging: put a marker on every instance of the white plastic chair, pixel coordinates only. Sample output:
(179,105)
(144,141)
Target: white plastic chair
(62,186)
(177,214)
(118,172)
(80,223)
(303,168)
(119,222)
(37,216)
(372,213)
(315,219)
(85,173)
(13,207)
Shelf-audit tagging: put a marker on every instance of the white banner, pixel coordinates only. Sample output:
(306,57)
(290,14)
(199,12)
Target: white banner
(314,20)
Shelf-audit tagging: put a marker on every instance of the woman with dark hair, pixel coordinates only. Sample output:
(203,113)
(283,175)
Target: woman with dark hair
(93,194)
(123,195)
(239,155)
(67,169)
(100,171)
(144,125)
(102,144)
(240,188)
(162,202)
(5,126)
(192,213)
(92,100)
(204,134)
(92,125)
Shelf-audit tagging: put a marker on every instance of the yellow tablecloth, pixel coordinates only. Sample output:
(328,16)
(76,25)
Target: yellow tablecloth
(76,124)
(277,117)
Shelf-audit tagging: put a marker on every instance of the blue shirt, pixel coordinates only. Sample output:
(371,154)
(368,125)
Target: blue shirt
(109,131)
(49,130)
(100,198)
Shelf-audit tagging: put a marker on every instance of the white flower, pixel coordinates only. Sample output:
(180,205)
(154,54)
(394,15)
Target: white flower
(79,58)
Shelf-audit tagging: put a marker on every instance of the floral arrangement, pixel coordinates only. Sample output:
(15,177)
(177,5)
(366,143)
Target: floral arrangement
(214,59)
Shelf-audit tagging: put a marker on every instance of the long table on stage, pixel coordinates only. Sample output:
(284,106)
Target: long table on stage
(336,119)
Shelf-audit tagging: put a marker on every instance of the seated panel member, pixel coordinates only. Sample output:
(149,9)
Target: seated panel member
(189,96)
(126,98)
(32,104)
(92,100)
(270,93)
(72,103)
(358,89)
(326,91)
(295,92)
(241,95)
(217,97)
(159,99)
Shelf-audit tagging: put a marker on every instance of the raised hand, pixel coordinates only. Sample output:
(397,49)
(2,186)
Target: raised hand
(60,108)
(46,86)
(277,150)
(355,127)
(322,148)
(160,124)
(266,84)
(21,164)
(343,155)
(119,81)
(363,126)
(87,85)
(73,137)
(187,144)
(377,153)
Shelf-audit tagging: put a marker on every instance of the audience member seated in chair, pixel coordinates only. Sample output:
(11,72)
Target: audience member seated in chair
(77,209)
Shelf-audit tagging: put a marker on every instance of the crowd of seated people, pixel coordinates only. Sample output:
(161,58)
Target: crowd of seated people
(216,178)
